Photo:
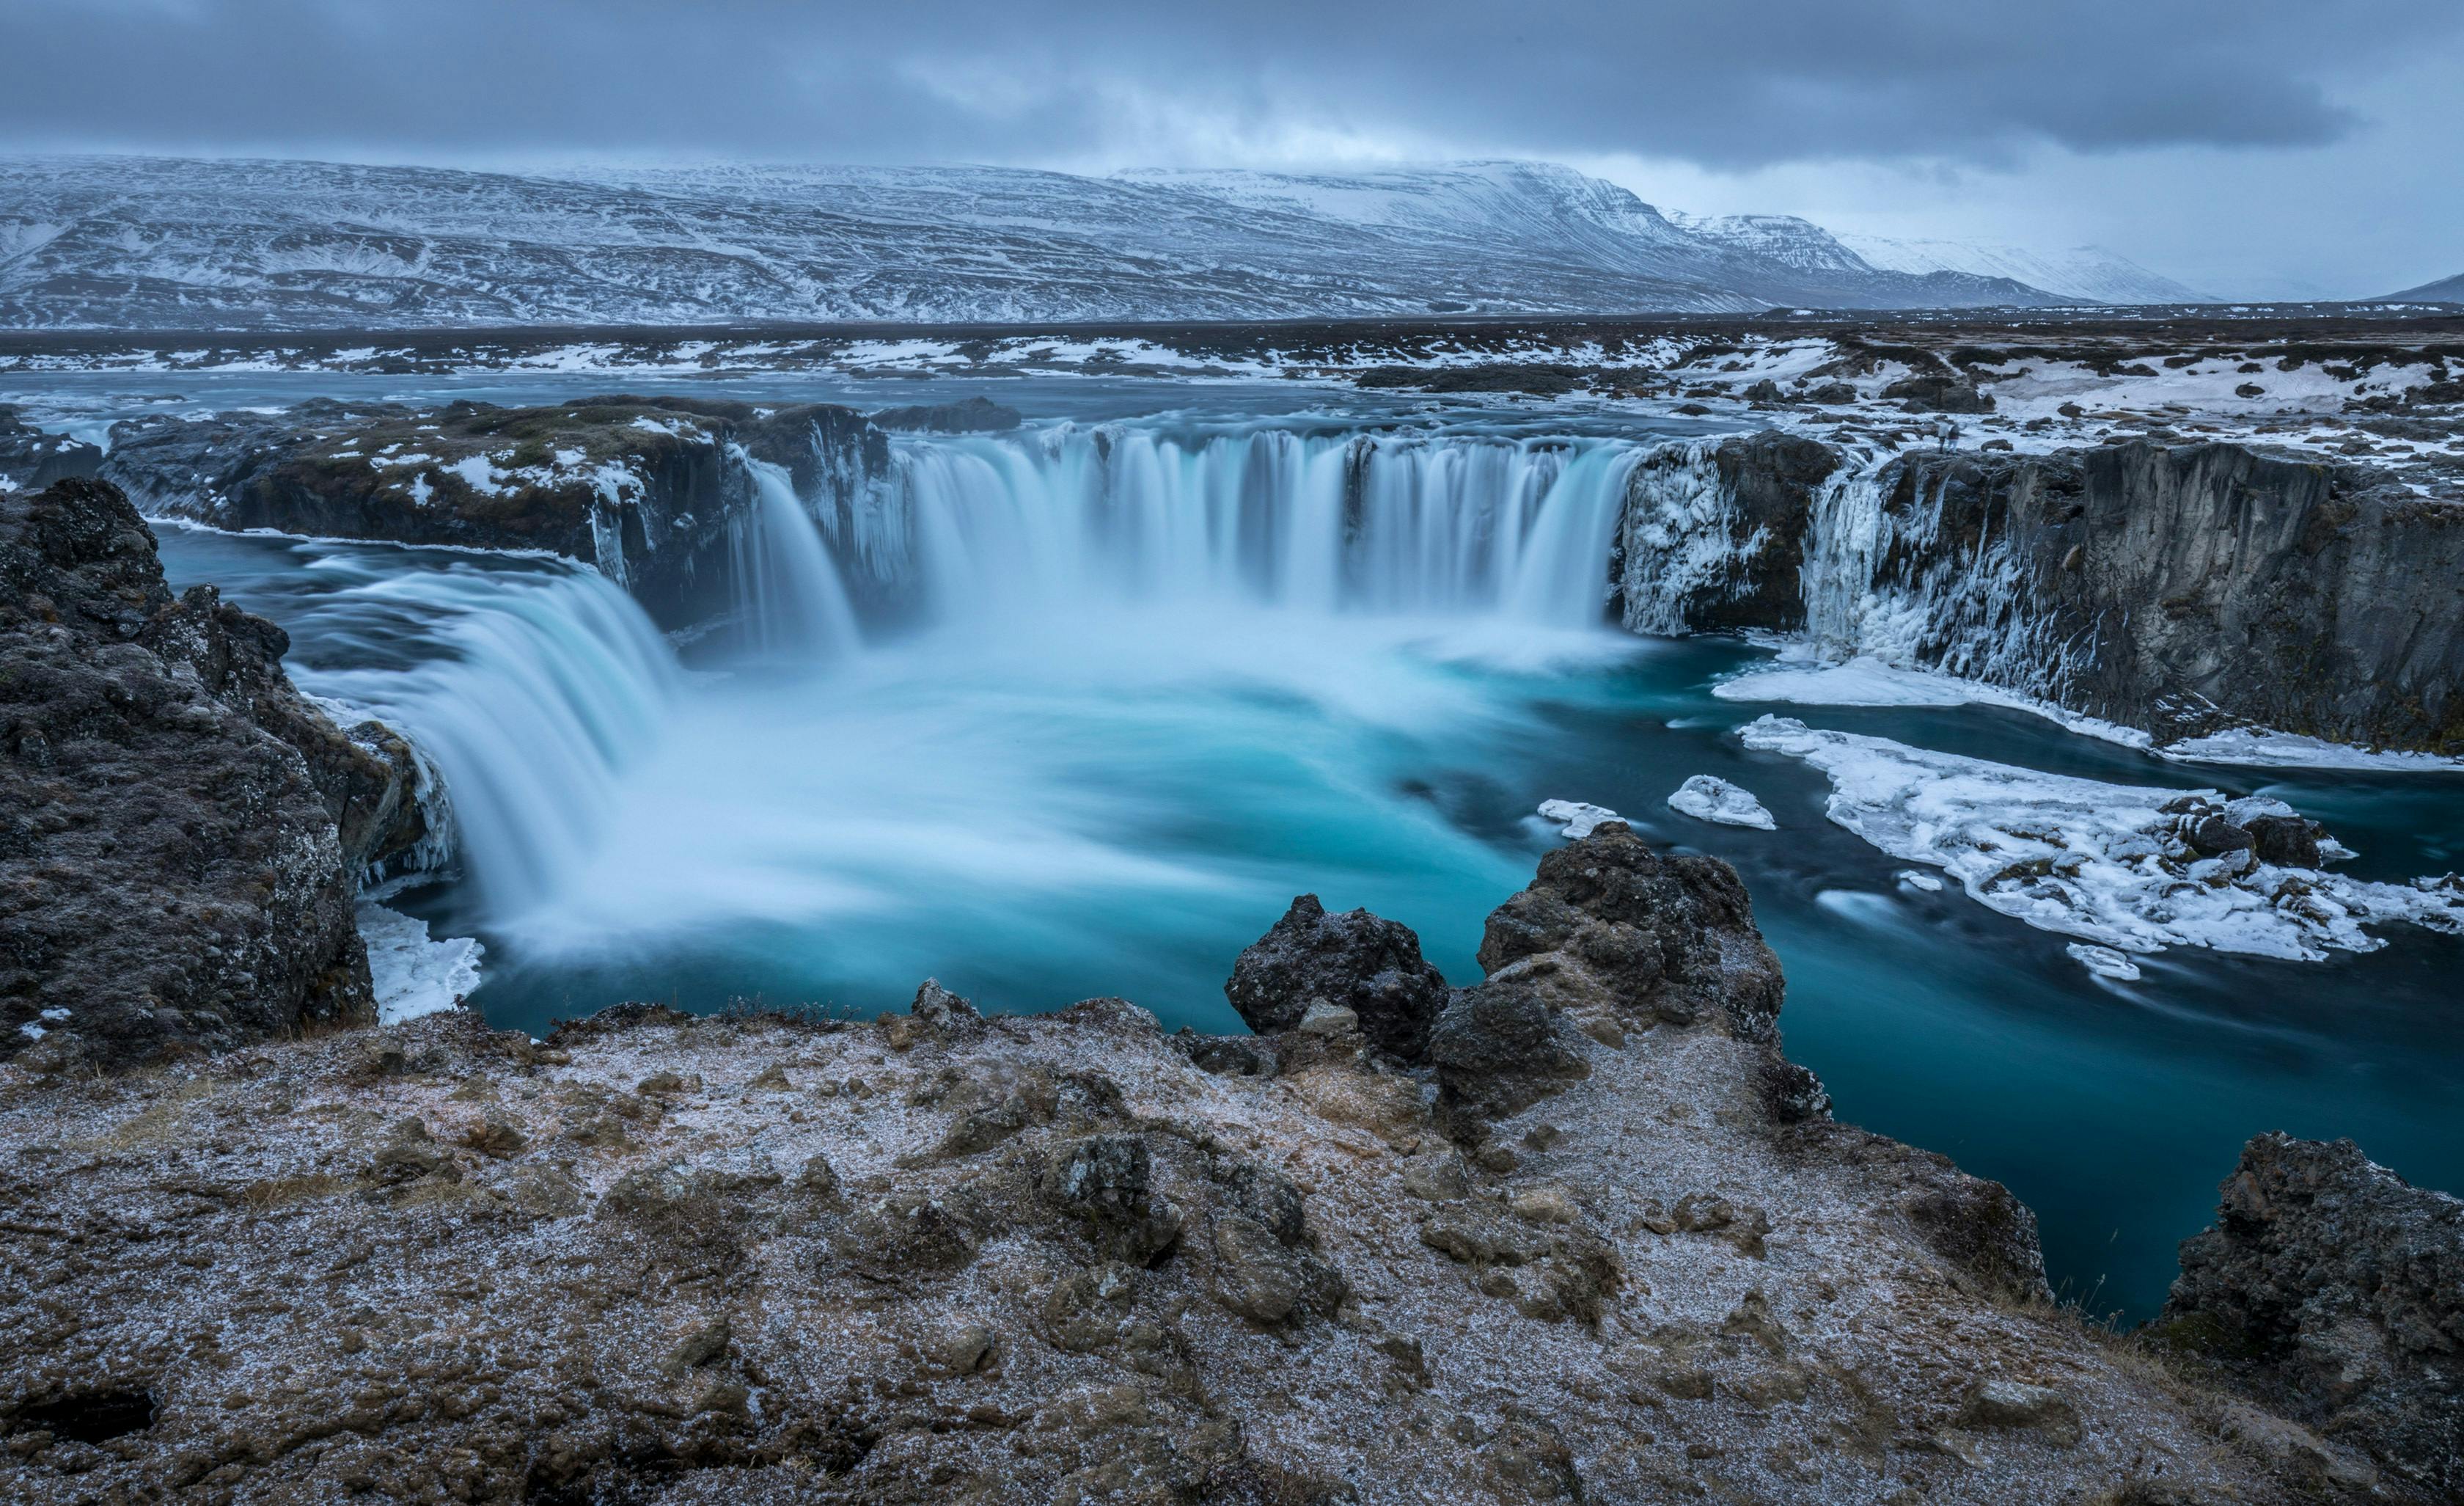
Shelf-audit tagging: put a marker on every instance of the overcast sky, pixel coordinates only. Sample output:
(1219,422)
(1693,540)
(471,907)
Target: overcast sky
(2249,147)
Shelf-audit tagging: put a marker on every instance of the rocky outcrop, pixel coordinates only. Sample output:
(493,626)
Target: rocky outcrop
(1713,536)
(946,1258)
(182,832)
(2334,1291)
(651,491)
(31,459)
(1353,961)
(2189,589)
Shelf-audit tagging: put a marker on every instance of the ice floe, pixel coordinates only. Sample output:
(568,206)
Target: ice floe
(413,973)
(2258,748)
(1707,797)
(2113,864)
(1577,818)
(1867,681)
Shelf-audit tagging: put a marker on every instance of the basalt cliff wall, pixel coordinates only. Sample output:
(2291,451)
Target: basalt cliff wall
(2182,590)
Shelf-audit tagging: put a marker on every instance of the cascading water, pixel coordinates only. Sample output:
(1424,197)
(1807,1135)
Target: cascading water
(535,691)
(789,597)
(1386,524)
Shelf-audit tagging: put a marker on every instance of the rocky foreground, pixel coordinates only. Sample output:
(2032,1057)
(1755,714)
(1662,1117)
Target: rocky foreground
(1577,1233)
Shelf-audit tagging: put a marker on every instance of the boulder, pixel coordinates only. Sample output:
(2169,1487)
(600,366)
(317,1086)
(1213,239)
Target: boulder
(2334,1292)
(1353,961)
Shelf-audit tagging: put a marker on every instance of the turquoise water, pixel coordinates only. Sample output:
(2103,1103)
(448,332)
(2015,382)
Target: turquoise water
(1113,799)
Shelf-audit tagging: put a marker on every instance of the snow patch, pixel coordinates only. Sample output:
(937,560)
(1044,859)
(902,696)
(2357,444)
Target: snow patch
(2104,961)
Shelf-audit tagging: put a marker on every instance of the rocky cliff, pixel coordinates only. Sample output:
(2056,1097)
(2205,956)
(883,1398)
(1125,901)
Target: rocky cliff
(1578,1232)
(2189,589)
(2335,1291)
(651,491)
(183,833)
(2182,590)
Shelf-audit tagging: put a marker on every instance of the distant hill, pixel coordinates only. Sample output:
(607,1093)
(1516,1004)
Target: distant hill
(2446,290)
(122,242)
(2082,272)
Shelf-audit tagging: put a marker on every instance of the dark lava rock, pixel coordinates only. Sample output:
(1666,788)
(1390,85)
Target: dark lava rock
(1773,479)
(2285,841)
(1673,936)
(976,415)
(1937,393)
(173,862)
(1107,1181)
(1499,1048)
(31,459)
(1830,394)
(1370,966)
(2335,1291)
(1764,390)
(2215,836)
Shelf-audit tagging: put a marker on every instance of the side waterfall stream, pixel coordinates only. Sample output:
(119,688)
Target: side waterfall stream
(1078,710)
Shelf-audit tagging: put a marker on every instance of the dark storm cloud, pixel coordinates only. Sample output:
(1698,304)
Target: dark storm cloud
(1727,85)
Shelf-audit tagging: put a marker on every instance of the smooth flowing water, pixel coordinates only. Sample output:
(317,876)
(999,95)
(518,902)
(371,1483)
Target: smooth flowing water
(1148,686)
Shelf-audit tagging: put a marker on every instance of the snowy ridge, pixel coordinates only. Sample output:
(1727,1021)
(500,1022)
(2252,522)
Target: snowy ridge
(2084,271)
(140,243)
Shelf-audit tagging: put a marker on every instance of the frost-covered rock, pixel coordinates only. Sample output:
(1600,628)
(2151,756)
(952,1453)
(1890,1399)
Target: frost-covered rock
(2123,866)
(1708,797)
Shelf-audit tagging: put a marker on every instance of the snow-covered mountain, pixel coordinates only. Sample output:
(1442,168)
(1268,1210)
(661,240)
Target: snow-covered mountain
(2083,272)
(2446,290)
(117,242)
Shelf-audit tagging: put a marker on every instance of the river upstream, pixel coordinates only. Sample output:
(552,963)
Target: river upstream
(1086,705)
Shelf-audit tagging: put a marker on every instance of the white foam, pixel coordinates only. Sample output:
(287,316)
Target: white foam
(415,975)
(2104,961)
(1707,797)
(2102,862)
(1577,818)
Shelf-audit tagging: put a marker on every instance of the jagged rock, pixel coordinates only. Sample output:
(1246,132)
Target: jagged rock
(174,869)
(1269,1279)
(1667,937)
(1762,488)
(2286,841)
(940,1010)
(1499,1048)
(1938,392)
(1353,960)
(2334,1291)
(2257,592)
(30,461)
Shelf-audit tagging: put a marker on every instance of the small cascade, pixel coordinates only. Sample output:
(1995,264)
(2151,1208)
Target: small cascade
(1900,586)
(1052,521)
(536,690)
(789,596)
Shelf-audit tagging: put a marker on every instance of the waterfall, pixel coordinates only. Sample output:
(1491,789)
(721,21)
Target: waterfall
(534,691)
(788,593)
(1895,585)
(1072,516)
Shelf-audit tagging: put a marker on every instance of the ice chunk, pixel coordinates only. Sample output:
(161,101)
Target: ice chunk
(2104,961)
(1919,880)
(413,974)
(2108,863)
(1577,818)
(1705,797)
